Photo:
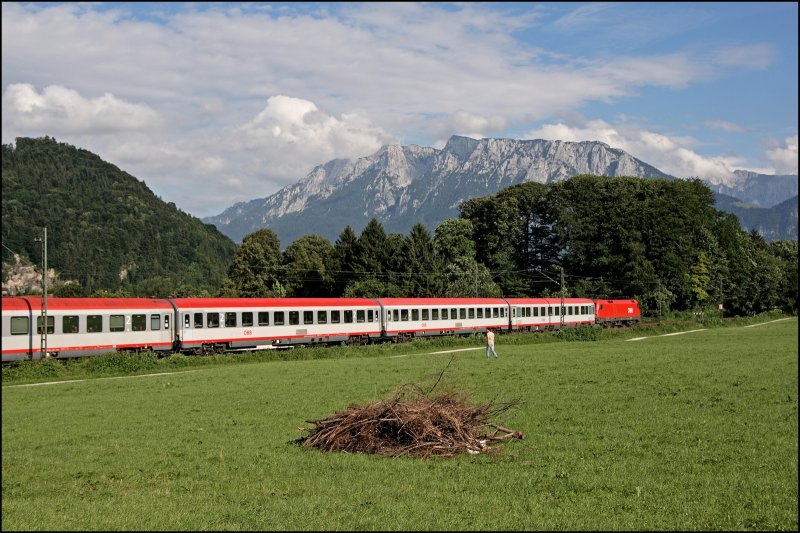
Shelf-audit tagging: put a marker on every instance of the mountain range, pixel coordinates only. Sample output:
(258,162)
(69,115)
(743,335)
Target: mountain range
(403,185)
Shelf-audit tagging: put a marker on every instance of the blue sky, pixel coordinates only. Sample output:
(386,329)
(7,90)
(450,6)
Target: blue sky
(216,103)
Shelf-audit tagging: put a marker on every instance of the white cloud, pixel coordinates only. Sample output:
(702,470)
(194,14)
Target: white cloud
(60,110)
(291,135)
(725,126)
(783,157)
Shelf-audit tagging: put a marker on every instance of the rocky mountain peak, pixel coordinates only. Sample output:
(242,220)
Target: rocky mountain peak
(401,185)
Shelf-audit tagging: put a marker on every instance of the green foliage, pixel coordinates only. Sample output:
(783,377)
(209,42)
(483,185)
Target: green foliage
(308,264)
(372,250)
(68,290)
(699,277)
(106,229)
(371,288)
(581,333)
(256,267)
(453,239)
(658,240)
(120,363)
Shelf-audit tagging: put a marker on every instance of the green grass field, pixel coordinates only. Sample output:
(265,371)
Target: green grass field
(697,431)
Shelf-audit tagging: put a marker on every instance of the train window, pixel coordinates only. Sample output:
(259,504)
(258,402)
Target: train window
(495,312)
(360,315)
(335,317)
(434,314)
(569,310)
(263,318)
(322,317)
(139,323)
(502,312)
(453,313)
(51,324)
(308,317)
(155,322)
(415,314)
(535,311)
(488,312)
(348,316)
(94,323)
(19,325)
(279,317)
(198,320)
(444,314)
(116,323)
(247,319)
(230,320)
(371,315)
(395,315)
(294,318)
(480,312)
(212,320)
(426,314)
(69,324)
(549,311)
(404,315)
(462,313)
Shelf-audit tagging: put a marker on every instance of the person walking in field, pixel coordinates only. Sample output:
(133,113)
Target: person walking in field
(490,344)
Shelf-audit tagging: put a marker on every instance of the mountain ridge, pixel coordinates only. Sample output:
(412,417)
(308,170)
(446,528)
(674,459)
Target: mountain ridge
(400,185)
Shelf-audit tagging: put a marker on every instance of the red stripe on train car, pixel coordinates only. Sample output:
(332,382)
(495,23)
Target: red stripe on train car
(21,303)
(207,303)
(442,301)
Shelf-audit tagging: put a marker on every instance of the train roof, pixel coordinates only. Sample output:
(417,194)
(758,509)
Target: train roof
(25,303)
(205,303)
(442,301)
(544,301)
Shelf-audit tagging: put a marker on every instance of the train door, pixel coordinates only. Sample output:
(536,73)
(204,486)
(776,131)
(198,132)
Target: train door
(517,316)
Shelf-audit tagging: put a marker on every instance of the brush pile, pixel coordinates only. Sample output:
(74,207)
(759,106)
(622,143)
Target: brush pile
(411,425)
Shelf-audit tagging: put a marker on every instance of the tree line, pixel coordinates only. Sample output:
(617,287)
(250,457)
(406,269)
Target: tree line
(660,241)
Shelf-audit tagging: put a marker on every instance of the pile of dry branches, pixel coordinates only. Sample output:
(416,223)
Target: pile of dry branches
(411,424)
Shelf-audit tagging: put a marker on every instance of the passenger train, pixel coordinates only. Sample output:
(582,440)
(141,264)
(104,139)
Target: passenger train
(78,327)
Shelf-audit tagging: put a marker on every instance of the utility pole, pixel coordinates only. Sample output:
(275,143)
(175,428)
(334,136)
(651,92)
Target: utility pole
(43,240)
(562,296)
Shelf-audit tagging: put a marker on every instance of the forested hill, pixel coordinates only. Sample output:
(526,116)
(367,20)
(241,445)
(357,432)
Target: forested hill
(105,228)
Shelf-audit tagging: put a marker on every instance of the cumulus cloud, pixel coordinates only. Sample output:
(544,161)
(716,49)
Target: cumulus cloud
(783,157)
(291,135)
(60,110)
